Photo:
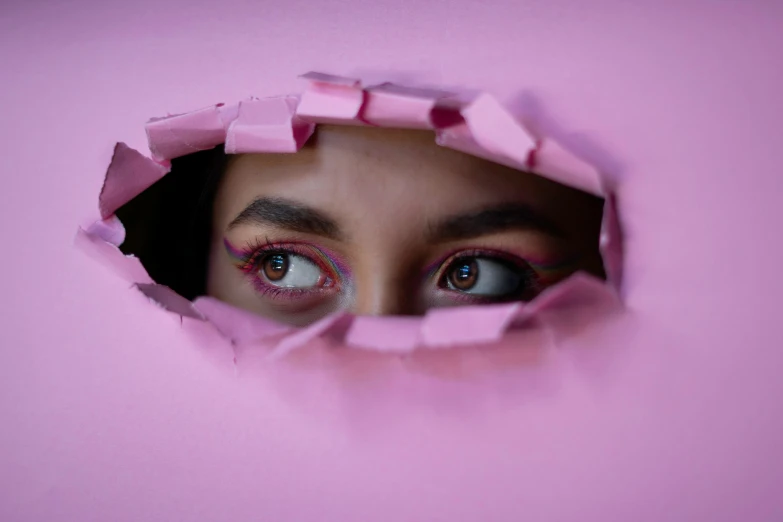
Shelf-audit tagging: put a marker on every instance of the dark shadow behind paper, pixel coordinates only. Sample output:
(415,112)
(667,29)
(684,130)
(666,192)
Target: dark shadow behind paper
(168,226)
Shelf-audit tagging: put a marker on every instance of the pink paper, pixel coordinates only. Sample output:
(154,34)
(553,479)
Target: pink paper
(110,230)
(498,132)
(385,334)
(446,327)
(128,175)
(492,133)
(331,99)
(556,163)
(173,136)
(389,105)
(283,124)
(610,242)
(302,336)
(267,125)
(579,291)
(334,99)
(240,326)
(169,300)
(669,411)
(128,268)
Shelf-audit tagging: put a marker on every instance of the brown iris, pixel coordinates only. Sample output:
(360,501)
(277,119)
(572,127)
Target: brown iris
(275,266)
(463,274)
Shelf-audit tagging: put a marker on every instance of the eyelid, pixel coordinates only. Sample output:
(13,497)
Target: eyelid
(247,260)
(436,269)
(551,268)
(438,276)
(256,248)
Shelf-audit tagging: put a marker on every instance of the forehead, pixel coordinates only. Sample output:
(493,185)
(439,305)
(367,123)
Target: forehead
(403,169)
(350,151)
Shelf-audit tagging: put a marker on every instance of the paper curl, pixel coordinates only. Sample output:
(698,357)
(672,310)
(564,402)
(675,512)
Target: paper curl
(267,126)
(181,134)
(129,174)
(333,99)
(481,127)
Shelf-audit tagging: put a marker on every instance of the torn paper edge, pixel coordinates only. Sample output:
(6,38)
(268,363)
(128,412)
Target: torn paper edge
(481,127)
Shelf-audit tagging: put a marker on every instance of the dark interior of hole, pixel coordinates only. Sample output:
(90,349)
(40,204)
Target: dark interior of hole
(168,225)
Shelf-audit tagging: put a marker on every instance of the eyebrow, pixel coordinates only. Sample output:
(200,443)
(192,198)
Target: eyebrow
(507,216)
(287,214)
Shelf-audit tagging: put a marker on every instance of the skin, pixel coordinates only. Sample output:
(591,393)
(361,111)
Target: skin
(387,193)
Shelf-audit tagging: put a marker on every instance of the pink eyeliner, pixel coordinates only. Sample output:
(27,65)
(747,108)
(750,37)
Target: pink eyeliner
(236,254)
(327,259)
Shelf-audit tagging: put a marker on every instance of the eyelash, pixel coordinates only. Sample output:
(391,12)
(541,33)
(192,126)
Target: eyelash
(538,275)
(249,259)
(439,271)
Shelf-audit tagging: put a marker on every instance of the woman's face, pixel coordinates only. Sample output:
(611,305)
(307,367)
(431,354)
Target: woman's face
(379,221)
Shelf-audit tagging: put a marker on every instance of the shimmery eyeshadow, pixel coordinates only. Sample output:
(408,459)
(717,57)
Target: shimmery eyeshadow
(554,271)
(243,257)
(238,255)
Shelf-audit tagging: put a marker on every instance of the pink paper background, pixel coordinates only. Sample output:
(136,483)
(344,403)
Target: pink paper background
(672,411)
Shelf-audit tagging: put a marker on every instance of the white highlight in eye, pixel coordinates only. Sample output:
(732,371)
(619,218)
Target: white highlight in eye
(301,273)
(493,279)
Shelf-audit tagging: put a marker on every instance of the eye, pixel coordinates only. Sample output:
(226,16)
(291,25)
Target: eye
(487,277)
(287,270)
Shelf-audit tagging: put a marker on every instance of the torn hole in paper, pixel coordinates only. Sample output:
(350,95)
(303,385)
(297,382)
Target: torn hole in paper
(365,230)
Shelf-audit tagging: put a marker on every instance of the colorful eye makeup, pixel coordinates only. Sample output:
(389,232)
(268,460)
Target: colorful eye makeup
(297,271)
(287,270)
(488,278)
(485,276)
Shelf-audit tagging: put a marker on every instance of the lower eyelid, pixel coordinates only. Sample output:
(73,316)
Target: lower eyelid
(456,295)
(286,293)
(290,294)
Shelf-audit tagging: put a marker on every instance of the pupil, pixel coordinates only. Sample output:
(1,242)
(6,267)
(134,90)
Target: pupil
(275,267)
